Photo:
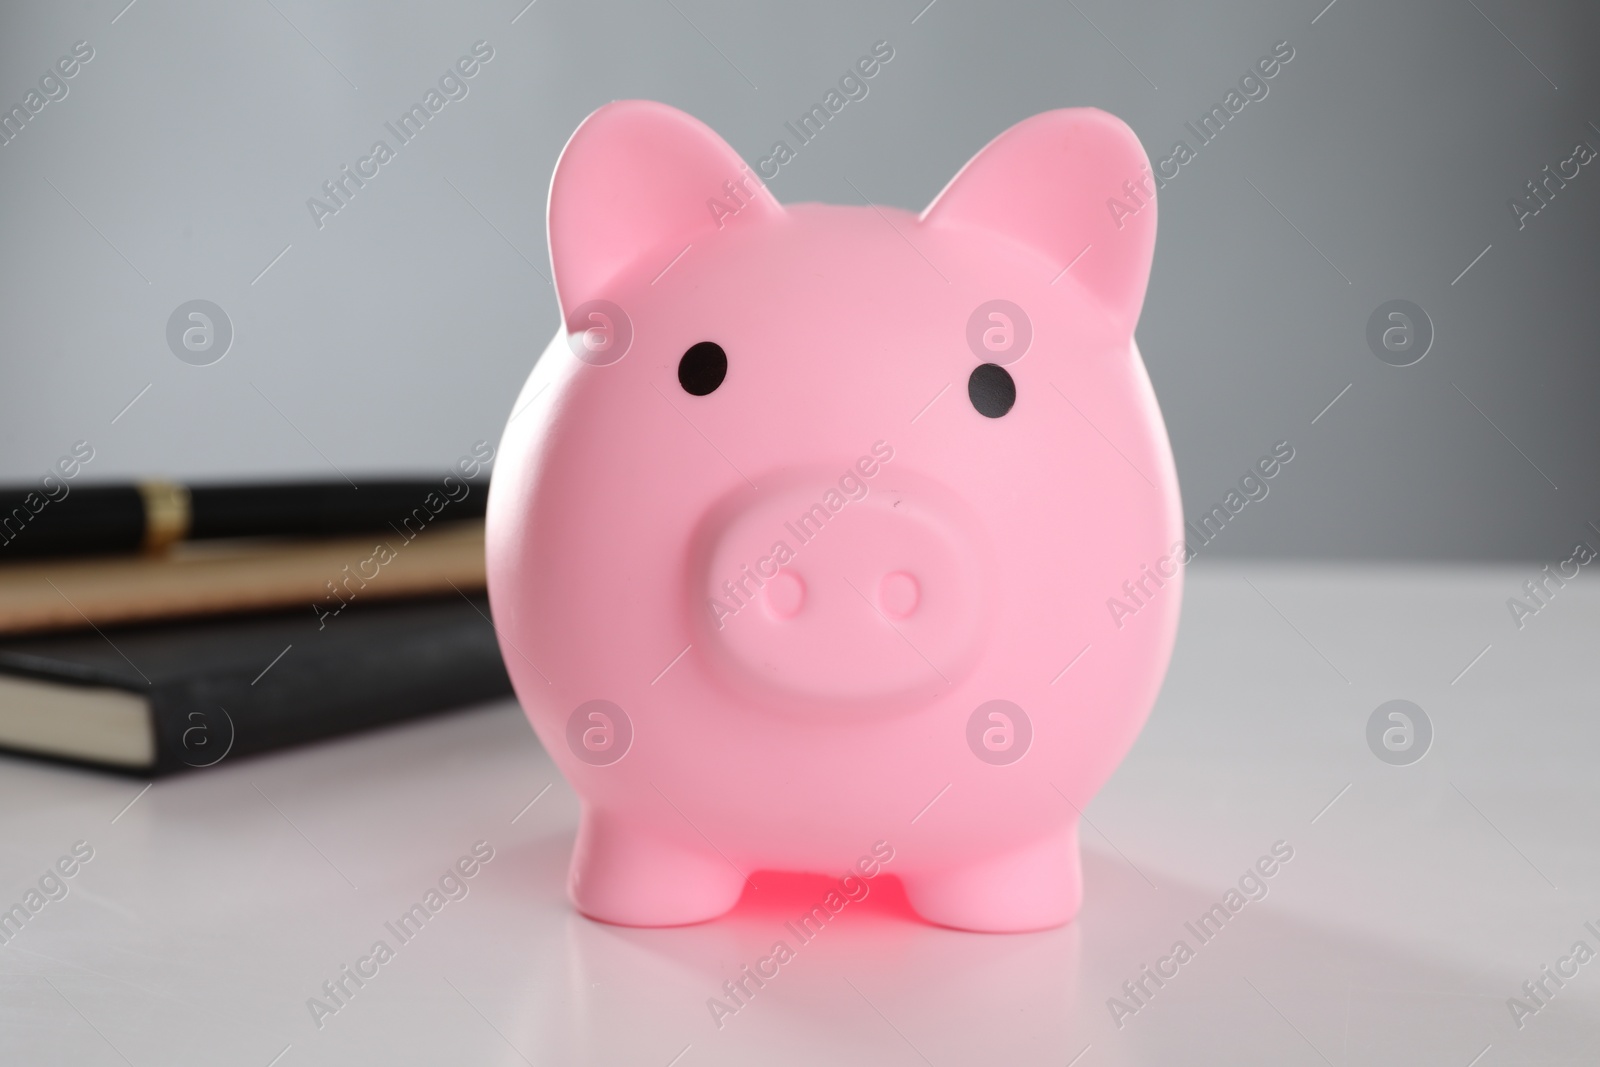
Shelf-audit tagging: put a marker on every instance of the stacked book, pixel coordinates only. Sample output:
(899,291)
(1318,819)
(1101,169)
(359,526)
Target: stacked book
(157,627)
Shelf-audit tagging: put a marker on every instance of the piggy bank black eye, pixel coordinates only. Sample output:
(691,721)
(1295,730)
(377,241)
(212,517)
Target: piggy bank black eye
(702,368)
(991,390)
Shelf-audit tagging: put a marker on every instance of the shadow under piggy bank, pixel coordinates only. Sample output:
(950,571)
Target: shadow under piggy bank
(877,985)
(832,987)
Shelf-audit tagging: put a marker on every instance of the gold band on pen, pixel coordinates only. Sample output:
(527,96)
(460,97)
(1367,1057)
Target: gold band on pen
(167,515)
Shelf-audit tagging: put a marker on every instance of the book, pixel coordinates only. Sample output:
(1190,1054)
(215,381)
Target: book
(203,578)
(163,697)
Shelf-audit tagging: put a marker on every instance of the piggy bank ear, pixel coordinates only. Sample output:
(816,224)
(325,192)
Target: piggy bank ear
(1055,182)
(638,178)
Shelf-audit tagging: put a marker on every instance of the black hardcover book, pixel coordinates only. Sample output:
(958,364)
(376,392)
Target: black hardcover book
(162,698)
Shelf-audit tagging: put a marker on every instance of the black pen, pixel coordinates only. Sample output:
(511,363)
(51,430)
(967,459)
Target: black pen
(58,519)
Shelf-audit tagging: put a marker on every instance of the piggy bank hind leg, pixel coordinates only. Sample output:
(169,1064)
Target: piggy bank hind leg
(1034,887)
(630,873)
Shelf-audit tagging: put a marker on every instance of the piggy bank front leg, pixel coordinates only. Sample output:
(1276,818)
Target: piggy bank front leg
(634,873)
(1034,887)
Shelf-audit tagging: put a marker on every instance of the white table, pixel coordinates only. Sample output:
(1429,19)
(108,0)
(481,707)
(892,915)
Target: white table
(1416,903)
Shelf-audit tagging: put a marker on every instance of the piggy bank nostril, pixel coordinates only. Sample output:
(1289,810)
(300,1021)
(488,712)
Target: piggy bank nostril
(899,594)
(785,595)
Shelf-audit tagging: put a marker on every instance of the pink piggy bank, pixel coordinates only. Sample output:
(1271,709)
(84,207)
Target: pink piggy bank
(805,530)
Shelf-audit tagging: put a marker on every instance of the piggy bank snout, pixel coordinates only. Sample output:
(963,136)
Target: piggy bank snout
(816,593)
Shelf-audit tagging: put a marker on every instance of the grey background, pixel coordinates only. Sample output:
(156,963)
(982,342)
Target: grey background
(179,166)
